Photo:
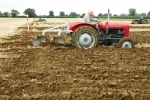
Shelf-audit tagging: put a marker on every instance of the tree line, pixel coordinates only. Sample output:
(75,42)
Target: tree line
(32,13)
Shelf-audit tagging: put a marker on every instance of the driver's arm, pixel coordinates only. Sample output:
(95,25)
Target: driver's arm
(95,20)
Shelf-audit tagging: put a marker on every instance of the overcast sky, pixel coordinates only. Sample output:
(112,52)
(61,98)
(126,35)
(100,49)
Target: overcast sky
(42,7)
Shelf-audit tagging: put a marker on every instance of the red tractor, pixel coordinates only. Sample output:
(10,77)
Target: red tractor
(83,35)
(87,36)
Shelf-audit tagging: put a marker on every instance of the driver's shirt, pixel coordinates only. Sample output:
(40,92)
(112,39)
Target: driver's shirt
(142,17)
(88,19)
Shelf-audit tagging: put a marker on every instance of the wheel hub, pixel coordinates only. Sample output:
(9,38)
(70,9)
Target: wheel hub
(85,40)
(126,44)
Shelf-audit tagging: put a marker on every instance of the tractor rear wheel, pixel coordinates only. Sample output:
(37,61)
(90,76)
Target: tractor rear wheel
(125,43)
(85,37)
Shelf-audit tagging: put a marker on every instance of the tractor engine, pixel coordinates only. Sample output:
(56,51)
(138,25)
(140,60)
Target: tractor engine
(111,33)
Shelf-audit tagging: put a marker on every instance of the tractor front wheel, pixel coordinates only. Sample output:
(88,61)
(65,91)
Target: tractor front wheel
(144,21)
(125,43)
(85,37)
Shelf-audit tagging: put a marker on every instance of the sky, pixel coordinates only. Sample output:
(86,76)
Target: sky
(42,7)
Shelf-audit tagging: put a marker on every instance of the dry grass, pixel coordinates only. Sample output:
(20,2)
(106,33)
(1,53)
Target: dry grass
(8,25)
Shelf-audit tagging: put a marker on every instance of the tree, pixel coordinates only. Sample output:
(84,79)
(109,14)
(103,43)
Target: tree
(106,14)
(1,14)
(61,13)
(148,13)
(138,15)
(115,15)
(83,15)
(6,14)
(100,14)
(67,15)
(143,14)
(132,12)
(30,12)
(78,15)
(51,14)
(73,14)
(123,15)
(14,13)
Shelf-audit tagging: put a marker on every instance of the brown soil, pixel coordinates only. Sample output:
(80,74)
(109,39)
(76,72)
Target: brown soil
(58,72)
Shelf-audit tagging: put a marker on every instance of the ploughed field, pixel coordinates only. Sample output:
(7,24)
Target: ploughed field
(57,72)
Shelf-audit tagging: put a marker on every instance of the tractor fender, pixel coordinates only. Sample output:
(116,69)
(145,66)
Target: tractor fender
(74,26)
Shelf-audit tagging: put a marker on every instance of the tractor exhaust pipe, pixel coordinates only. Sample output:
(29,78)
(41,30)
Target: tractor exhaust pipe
(107,30)
(108,14)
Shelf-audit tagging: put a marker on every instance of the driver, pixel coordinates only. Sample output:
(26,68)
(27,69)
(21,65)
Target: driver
(141,18)
(88,18)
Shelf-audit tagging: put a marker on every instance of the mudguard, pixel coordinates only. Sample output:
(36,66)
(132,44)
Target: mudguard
(74,25)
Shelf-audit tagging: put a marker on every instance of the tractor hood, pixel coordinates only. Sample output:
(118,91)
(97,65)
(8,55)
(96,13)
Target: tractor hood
(110,25)
(105,25)
(114,25)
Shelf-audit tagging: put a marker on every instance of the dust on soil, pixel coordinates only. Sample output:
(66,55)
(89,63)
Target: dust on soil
(57,72)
